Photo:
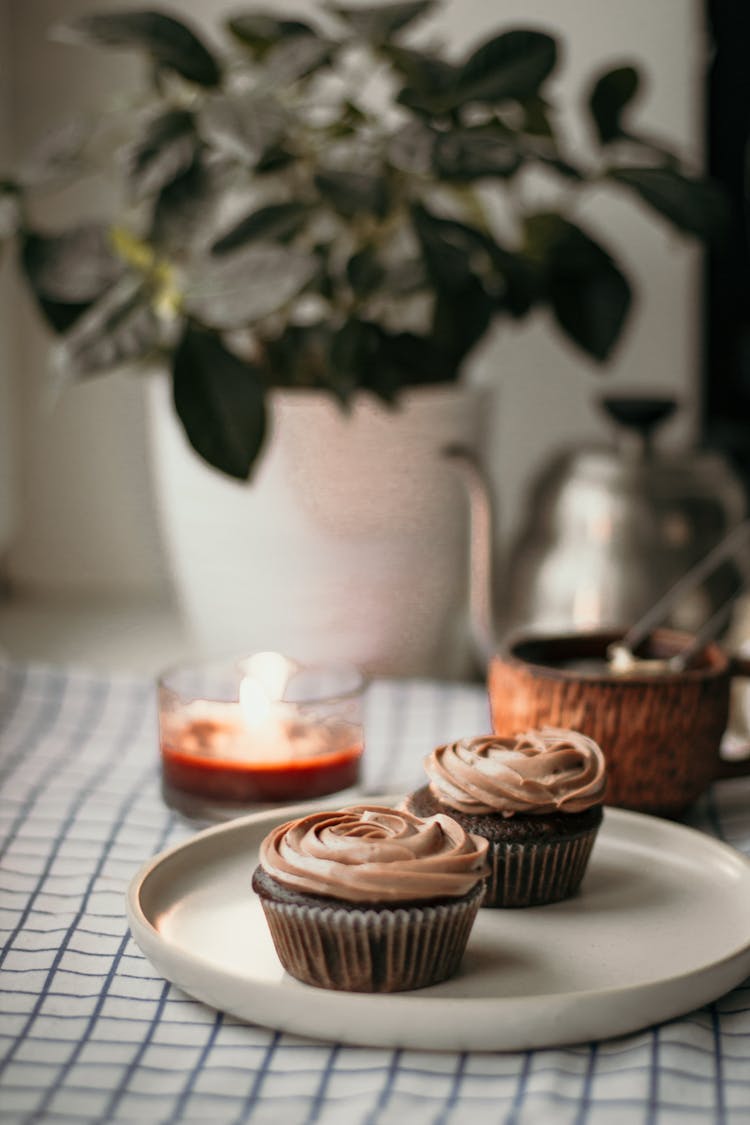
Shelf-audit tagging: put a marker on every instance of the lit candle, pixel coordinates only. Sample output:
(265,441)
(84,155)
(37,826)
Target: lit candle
(262,747)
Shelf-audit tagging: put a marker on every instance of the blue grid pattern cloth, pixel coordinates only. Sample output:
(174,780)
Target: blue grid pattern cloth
(91,1033)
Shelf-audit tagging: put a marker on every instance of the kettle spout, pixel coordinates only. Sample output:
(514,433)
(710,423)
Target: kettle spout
(481,538)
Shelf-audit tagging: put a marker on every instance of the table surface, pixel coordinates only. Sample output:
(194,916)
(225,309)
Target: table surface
(91,1032)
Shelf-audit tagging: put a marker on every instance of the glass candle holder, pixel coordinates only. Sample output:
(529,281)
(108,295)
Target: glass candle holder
(259,730)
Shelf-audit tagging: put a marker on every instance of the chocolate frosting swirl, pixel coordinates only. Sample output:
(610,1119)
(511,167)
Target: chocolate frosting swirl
(540,771)
(369,853)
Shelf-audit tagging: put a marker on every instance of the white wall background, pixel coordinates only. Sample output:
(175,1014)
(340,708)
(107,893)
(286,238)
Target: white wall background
(79,481)
(8,365)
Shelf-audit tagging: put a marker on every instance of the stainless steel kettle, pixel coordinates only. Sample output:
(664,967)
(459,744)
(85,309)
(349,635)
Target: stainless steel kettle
(609,529)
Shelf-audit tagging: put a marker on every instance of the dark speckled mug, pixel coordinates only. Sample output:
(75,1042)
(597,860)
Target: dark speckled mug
(660,733)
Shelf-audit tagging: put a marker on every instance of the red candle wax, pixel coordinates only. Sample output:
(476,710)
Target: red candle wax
(207,774)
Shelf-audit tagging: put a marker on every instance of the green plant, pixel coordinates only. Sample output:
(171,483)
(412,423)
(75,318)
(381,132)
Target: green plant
(322,206)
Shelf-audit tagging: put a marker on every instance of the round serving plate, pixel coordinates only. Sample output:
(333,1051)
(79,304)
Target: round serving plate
(660,927)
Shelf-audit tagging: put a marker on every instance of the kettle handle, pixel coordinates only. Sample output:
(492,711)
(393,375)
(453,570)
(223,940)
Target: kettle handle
(739,666)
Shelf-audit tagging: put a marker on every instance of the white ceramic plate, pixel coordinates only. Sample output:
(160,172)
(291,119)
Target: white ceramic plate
(660,927)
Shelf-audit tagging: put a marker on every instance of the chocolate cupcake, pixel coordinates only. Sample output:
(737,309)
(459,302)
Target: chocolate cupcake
(536,799)
(370,899)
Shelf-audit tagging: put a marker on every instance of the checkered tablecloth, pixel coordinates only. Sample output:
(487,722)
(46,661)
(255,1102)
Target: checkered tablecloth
(91,1033)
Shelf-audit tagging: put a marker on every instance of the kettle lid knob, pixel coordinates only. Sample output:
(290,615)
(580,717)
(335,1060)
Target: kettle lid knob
(640,415)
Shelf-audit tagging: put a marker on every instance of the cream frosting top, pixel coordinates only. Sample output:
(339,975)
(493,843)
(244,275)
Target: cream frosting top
(369,853)
(539,771)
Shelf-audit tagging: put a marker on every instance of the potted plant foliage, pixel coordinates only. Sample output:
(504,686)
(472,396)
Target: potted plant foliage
(327,209)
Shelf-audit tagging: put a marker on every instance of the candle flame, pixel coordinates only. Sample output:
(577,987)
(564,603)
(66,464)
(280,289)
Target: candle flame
(263,685)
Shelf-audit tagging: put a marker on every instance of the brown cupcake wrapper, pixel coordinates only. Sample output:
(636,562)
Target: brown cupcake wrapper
(387,950)
(536,874)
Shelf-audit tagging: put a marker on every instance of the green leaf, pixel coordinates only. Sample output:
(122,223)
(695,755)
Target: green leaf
(166,151)
(562,167)
(520,285)
(692,205)
(119,328)
(592,308)
(536,120)
(408,360)
(354,193)
(72,268)
(354,350)
(278,222)
(610,95)
(411,146)
(425,105)
(447,247)
(460,320)
(240,288)
(300,356)
(220,401)
(274,159)
(379,23)
(364,272)
(245,125)
(322,281)
(589,295)
(42,258)
(509,66)
(406,277)
(297,58)
(430,81)
(385,381)
(260,30)
(185,207)
(60,315)
(169,41)
(425,73)
(472,154)
(462,259)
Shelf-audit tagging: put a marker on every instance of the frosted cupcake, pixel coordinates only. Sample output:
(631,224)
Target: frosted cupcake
(370,899)
(537,800)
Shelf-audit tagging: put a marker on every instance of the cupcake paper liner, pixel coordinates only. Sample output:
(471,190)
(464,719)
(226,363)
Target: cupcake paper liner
(531,874)
(385,950)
